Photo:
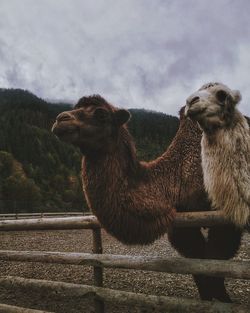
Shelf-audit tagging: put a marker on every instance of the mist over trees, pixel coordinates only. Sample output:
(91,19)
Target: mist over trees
(38,172)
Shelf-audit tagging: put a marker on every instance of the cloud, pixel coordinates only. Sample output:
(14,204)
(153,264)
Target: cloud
(141,53)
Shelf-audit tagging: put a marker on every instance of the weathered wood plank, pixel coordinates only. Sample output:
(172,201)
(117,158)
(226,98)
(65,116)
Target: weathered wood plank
(200,219)
(81,222)
(221,268)
(171,304)
(98,270)
(4,308)
(187,219)
(43,214)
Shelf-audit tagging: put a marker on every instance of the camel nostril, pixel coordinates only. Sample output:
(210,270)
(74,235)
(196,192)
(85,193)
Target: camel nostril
(64,117)
(195,99)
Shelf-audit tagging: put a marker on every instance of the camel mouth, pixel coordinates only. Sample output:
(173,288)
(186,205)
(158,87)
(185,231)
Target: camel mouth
(65,132)
(195,113)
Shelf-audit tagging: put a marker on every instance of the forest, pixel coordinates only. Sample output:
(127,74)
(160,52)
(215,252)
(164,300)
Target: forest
(38,172)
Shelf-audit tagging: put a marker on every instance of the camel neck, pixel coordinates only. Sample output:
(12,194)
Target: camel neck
(126,195)
(238,127)
(118,162)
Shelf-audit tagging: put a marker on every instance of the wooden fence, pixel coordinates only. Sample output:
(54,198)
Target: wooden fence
(232,269)
(17,216)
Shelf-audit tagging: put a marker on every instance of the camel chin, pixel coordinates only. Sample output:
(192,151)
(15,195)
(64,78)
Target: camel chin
(66,133)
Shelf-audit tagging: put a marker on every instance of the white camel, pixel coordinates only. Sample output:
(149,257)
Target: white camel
(225,149)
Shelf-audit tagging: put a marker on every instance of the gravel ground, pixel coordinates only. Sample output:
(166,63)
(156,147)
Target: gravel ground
(127,280)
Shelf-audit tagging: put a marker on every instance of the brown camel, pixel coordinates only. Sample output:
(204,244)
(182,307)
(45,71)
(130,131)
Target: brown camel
(136,201)
(225,149)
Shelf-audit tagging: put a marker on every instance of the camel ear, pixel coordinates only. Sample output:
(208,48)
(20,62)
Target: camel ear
(122,116)
(232,100)
(236,96)
(101,115)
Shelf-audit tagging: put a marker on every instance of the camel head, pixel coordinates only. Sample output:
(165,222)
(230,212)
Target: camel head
(92,125)
(212,106)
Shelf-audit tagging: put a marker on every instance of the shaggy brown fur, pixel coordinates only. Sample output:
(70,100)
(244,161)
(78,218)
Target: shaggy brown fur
(136,201)
(225,149)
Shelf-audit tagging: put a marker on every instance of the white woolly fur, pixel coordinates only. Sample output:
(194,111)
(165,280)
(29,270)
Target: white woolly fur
(226,169)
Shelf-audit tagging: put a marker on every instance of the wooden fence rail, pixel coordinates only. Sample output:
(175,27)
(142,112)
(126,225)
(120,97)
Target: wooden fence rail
(170,304)
(81,222)
(221,268)
(194,219)
(13,216)
(5,308)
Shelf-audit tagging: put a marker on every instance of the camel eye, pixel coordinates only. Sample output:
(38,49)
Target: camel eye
(80,114)
(221,95)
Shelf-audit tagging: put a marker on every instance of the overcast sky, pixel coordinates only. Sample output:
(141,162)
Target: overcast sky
(135,53)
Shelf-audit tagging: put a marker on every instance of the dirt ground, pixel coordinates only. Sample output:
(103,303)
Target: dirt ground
(127,280)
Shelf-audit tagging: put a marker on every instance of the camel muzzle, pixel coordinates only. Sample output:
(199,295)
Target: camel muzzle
(64,116)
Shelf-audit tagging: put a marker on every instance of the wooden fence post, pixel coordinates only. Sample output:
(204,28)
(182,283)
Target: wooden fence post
(98,271)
